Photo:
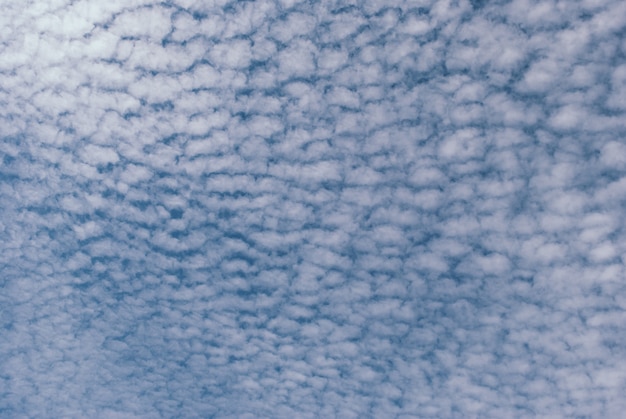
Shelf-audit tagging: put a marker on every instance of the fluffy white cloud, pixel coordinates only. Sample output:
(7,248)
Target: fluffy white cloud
(296,209)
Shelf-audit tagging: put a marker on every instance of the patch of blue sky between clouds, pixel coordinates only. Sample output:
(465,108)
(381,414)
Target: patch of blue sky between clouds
(312,209)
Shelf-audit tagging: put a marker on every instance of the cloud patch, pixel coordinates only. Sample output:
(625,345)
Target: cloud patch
(292,209)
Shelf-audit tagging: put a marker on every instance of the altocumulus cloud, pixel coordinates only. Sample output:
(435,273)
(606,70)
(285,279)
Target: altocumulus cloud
(312,208)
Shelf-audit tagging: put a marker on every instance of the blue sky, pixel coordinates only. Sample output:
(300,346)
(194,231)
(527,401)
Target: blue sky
(303,209)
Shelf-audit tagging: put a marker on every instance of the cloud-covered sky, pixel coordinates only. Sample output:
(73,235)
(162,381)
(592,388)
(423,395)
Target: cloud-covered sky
(312,209)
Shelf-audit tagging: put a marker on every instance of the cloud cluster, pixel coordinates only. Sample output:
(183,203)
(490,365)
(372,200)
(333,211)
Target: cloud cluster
(312,209)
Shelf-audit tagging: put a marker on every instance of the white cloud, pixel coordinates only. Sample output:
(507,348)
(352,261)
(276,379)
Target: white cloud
(296,209)
(96,155)
(296,60)
(614,154)
(150,22)
(235,54)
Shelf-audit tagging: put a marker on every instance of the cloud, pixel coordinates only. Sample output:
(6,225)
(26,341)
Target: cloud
(295,209)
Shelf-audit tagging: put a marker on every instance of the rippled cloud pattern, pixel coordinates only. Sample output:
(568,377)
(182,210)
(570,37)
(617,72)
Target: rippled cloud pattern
(312,209)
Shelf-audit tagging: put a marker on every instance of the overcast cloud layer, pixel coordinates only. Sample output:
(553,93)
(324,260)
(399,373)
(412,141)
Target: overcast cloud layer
(312,209)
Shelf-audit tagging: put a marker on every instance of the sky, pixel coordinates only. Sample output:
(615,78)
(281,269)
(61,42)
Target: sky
(312,209)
